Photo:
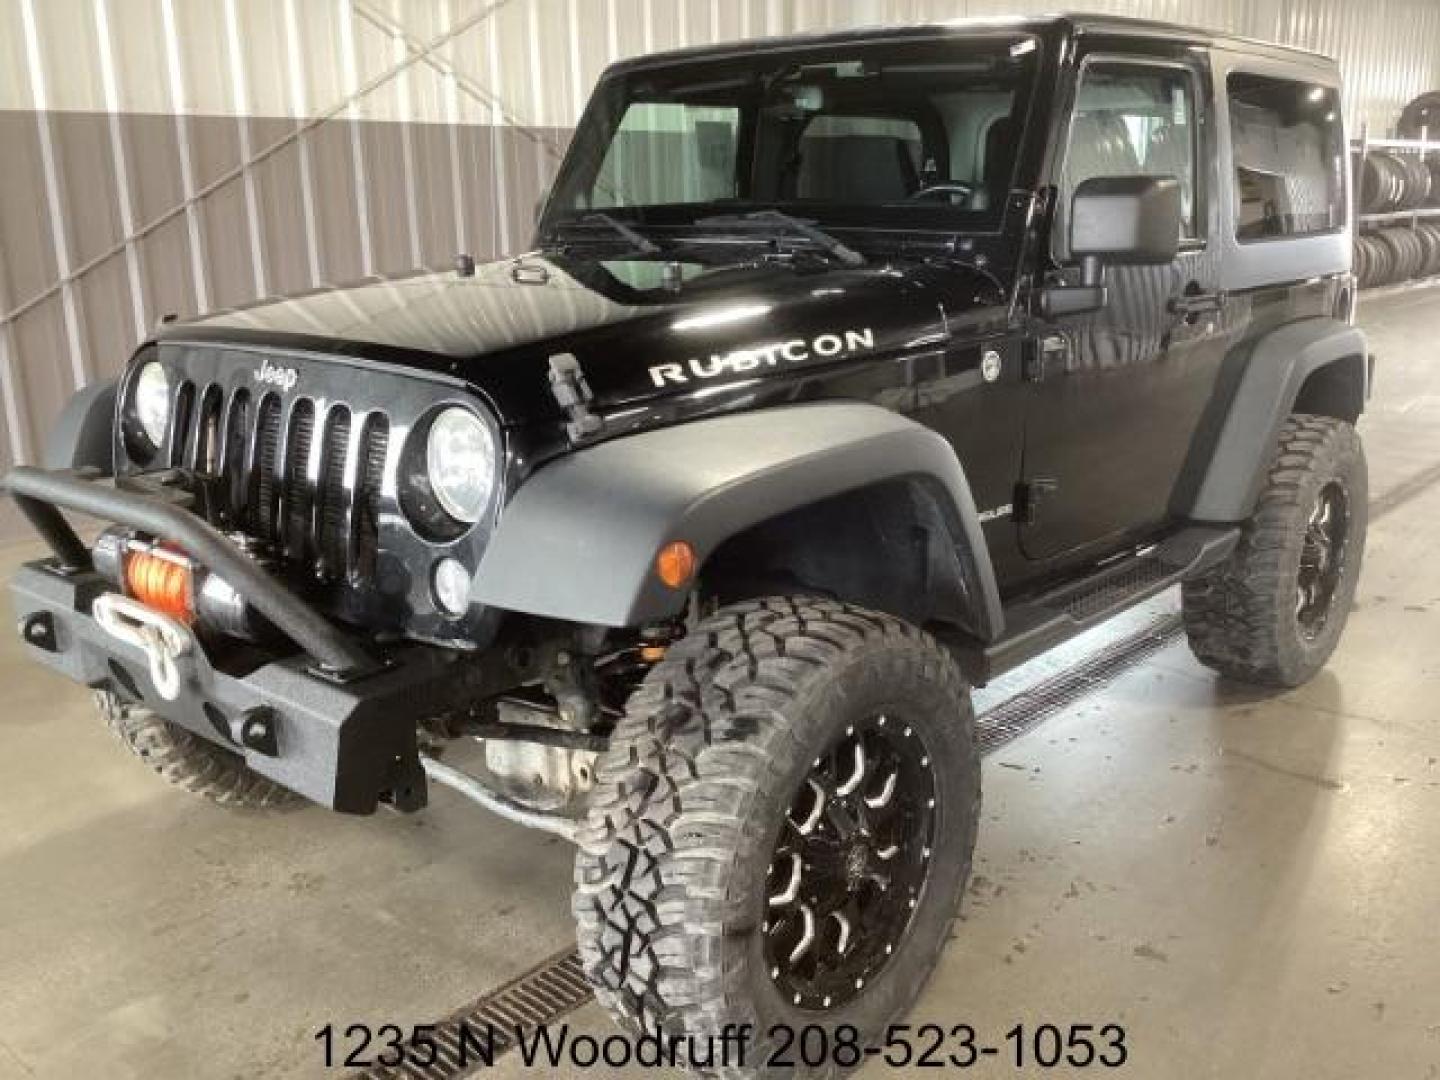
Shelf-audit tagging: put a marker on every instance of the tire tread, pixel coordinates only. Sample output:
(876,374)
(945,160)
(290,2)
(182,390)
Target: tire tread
(188,761)
(1234,616)
(703,738)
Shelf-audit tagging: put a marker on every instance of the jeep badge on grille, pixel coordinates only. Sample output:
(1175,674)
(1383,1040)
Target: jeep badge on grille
(283,377)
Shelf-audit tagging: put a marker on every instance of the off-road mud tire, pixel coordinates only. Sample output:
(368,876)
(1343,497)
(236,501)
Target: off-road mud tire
(694,788)
(1241,617)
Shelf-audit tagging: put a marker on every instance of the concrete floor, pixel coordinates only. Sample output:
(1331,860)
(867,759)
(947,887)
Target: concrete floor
(1246,881)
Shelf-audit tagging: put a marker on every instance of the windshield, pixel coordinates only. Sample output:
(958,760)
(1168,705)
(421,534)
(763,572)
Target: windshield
(917,134)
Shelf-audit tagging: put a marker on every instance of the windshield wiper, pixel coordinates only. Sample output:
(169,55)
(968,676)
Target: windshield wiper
(632,236)
(817,236)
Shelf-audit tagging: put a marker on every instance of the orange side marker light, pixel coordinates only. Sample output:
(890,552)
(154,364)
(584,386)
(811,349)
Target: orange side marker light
(675,564)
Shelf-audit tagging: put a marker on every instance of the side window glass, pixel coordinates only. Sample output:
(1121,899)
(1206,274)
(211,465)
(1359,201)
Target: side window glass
(1134,120)
(670,153)
(1289,156)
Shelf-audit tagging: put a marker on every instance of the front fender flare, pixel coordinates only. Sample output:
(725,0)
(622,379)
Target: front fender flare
(578,540)
(83,435)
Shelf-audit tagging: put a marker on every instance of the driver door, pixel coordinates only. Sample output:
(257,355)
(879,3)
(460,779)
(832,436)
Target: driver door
(1121,390)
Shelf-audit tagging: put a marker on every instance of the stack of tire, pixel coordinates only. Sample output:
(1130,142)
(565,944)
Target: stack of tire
(1397,253)
(1393,181)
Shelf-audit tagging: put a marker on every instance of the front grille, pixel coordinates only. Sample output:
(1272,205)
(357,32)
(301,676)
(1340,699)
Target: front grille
(295,473)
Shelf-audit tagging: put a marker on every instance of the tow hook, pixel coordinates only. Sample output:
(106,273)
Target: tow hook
(161,638)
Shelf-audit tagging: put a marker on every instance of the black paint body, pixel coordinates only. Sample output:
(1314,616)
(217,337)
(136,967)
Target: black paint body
(1087,443)
(1078,439)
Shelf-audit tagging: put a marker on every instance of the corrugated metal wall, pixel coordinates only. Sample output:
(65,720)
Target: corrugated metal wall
(175,156)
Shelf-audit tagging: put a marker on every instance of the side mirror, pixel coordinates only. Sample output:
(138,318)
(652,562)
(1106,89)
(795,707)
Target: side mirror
(1116,221)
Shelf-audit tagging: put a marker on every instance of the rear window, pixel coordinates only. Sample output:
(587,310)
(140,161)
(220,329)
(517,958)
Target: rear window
(1289,155)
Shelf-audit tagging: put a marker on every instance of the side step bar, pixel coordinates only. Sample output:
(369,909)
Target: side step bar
(1038,624)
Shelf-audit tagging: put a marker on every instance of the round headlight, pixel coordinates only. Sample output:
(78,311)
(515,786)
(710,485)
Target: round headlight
(152,401)
(460,462)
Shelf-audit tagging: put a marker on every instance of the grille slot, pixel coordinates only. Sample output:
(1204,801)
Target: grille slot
(262,473)
(205,438)
(365,531)
(237,435)
(296,490)
(331,501)
(180,423)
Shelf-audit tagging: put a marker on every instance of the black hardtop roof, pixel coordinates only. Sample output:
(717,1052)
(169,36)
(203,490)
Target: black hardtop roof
(1077,24)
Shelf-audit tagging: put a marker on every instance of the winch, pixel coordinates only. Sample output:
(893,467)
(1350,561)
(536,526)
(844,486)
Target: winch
(162,577)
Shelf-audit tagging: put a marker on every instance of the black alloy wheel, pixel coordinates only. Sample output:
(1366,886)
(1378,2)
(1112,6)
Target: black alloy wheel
(1322,560)
(847,873)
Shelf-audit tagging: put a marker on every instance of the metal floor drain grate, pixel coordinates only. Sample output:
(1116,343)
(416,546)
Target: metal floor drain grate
(557,986)
(1030,708)
(479,1034)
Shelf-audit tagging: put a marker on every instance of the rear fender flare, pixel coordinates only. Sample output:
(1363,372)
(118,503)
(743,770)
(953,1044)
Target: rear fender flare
(578,540)
(1277,366)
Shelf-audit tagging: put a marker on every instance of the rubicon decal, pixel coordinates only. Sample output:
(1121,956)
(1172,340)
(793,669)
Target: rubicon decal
(773,354)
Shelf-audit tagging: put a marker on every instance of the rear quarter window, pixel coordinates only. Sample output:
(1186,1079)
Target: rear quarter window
(1289,154)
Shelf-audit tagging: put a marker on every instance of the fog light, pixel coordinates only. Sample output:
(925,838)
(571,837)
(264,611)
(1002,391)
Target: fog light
(452,586)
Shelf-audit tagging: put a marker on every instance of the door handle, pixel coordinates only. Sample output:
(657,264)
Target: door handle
(1190,304)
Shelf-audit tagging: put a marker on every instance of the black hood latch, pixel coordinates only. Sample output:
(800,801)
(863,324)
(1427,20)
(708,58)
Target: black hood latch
(572,393)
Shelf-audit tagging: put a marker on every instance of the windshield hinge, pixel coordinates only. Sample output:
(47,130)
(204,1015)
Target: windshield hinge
(572,393)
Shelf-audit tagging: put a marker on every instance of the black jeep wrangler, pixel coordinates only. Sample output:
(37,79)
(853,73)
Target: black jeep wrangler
(848,371)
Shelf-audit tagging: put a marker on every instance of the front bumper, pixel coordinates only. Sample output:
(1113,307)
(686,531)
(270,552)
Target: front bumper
(330,722)
(339,744)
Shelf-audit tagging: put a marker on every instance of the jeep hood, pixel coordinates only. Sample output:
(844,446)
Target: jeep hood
(640,339)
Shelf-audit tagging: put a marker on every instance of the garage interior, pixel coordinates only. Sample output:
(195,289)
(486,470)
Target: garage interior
(1245,880)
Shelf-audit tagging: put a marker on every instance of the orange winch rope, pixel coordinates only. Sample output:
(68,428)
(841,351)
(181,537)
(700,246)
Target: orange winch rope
(160,583)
